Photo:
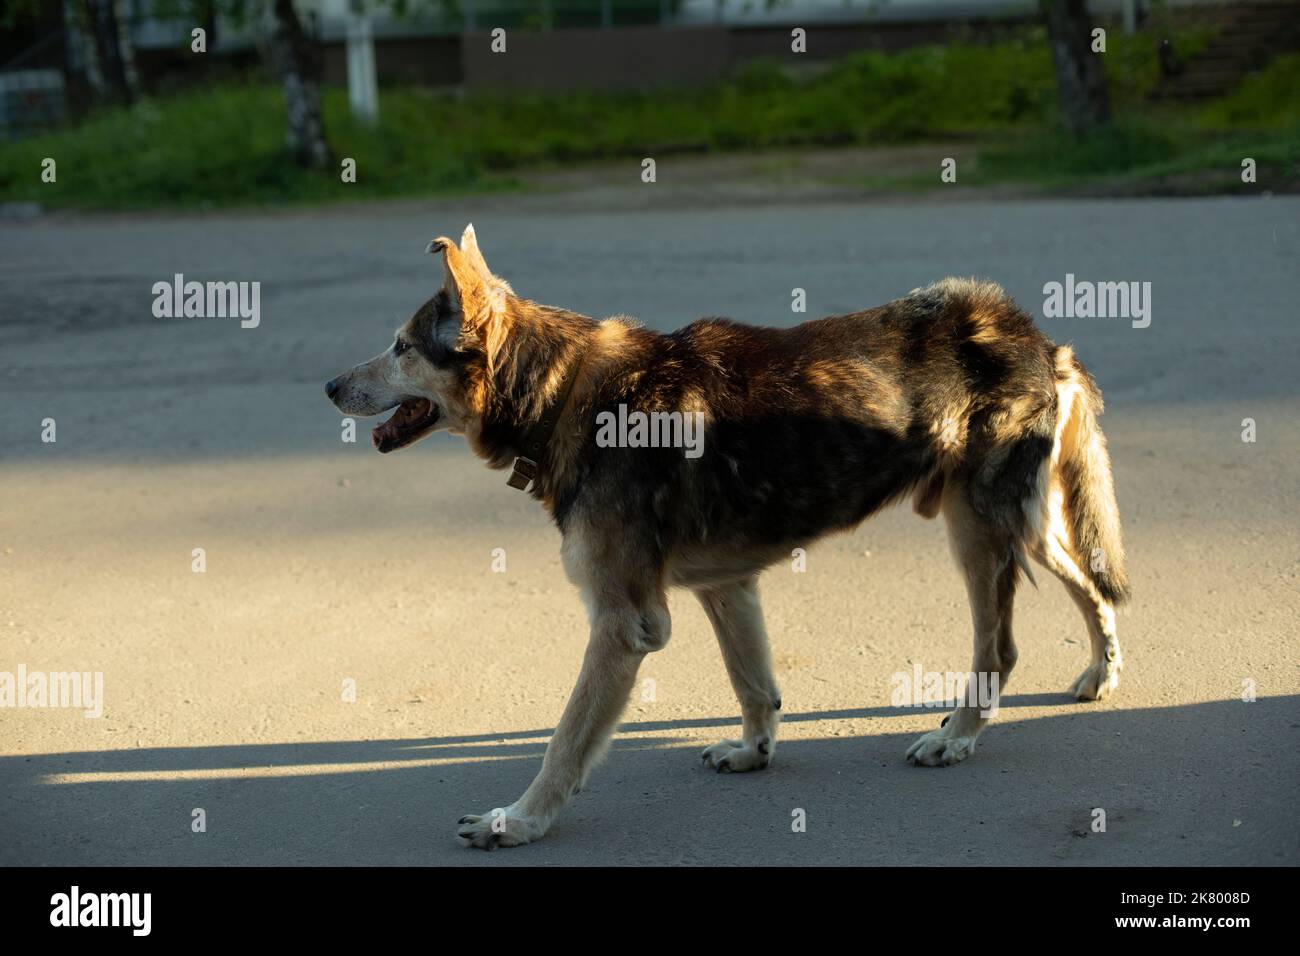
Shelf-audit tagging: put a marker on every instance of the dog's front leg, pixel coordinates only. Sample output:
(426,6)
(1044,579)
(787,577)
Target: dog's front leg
(620,638)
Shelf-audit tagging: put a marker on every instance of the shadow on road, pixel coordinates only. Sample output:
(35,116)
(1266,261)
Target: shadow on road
(1176,785)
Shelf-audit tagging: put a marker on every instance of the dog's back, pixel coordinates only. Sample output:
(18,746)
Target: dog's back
(811,429)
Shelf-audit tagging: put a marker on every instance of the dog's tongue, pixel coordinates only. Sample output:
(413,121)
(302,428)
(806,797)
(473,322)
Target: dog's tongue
(406,414)
(381,431)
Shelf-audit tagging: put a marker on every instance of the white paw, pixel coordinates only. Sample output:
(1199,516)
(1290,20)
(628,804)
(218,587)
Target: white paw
(937,749)
(734,756)
(1097,682)
(501,827)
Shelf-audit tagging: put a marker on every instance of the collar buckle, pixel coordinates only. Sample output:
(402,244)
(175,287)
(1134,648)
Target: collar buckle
(525,471)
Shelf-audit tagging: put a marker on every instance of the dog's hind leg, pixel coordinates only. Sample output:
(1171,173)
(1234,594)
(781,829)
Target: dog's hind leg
(1101,676)
(737,619)
(989,567)
(1081,541)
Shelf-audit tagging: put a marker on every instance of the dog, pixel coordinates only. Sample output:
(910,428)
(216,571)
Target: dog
(949,394)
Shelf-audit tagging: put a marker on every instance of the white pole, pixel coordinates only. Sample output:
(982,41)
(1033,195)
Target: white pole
(363,87)
(1130,16)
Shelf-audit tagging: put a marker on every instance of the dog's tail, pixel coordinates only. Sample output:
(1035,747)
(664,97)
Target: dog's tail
(1082,467)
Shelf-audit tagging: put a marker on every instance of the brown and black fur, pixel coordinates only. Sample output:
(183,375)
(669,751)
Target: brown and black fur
(949,394)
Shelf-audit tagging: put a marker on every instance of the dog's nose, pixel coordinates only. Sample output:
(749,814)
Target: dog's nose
(331,388)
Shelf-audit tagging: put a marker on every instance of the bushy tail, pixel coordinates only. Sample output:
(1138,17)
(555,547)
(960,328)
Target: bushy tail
(1083,467)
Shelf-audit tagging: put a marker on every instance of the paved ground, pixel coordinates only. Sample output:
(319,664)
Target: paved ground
(327,563)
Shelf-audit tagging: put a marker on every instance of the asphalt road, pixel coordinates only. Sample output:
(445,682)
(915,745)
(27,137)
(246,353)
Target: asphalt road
(325,563)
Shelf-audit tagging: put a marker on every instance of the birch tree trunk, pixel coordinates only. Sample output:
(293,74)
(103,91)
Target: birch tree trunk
(126,49)
(83,19)
(96,21)
(1079,79)
(297,64)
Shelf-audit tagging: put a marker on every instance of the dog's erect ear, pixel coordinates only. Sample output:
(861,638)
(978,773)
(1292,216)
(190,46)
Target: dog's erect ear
(470,250)
(478,298)
(460,277)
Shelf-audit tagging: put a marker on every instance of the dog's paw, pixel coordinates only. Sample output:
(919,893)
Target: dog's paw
(1097,682)
(734,756)
(937,749)
(501,827)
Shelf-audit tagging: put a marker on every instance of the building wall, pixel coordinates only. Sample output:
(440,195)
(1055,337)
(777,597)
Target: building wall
(420,61)
(632,58)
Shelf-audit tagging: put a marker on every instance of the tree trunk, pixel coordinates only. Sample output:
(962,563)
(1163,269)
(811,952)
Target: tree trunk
(97,23)
(108,46)
(1079,80)
(84,25)
(126,49)
(299,70)
(207,15)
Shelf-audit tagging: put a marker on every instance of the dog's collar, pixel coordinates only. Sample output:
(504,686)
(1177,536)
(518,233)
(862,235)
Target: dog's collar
(526,468)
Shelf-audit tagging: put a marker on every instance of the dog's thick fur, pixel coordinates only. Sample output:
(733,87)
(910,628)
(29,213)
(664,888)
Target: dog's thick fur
(949,394)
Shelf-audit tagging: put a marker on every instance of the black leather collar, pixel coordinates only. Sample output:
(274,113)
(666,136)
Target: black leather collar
(535,440)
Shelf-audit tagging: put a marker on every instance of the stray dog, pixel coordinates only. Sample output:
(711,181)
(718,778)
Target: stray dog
(949,394)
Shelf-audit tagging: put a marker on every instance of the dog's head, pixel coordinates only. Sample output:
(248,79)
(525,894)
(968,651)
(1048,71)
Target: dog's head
(435,371)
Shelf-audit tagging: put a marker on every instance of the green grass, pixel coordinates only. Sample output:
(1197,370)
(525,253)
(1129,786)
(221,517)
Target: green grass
(1145,156)
(225,146)
(1197,149)
(1269,99)
(220,147)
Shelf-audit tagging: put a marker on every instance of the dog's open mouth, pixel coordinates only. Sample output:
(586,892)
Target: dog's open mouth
(412,421)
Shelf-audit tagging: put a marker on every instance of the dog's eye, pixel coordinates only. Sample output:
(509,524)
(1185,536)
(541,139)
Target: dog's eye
(399,347)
